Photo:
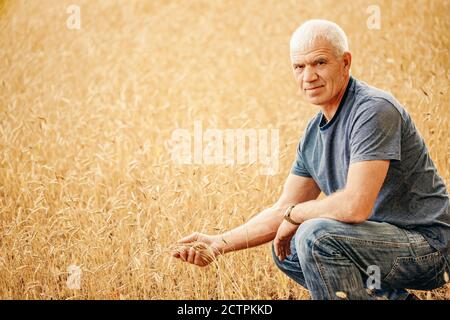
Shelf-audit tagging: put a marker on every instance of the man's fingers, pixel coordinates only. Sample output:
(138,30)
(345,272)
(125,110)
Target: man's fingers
(188,251)
(279,249)
(282,255)
(285,249)
(275,246)
(191,255)
(184,254)
(198,260)
(282,249)
(288,249)
(189,238)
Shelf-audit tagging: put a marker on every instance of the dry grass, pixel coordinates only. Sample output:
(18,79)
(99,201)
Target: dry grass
(84,175)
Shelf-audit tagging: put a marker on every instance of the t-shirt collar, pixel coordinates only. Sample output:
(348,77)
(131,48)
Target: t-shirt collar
(343,100)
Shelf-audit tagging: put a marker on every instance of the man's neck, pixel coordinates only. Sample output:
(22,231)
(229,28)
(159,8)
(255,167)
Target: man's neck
(330,109)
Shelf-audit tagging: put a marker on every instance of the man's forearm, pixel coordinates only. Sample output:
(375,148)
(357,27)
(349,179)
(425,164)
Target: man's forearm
(263,227)
(338,206)
(258,230)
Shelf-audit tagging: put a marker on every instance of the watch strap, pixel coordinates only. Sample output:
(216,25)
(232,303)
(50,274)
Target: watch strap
(287,216)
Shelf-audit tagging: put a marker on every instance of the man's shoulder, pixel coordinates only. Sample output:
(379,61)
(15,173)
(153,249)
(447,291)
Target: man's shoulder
(364,92)
(371,99)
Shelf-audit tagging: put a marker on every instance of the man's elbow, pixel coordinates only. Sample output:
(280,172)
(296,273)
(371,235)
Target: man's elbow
(359,212)
(357,218)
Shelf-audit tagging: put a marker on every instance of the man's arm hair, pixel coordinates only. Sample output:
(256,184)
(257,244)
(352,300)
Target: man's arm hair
(355,202)
(263,227)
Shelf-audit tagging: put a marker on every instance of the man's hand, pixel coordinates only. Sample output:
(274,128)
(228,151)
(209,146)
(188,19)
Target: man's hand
(282,242)
(198,249)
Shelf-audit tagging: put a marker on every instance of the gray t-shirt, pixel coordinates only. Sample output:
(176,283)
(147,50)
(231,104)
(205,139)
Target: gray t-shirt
(370,124)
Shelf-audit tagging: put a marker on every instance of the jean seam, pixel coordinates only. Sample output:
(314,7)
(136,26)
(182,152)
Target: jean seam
(374,242)
(436,258)
(353,240)
(391,272)
(320,266)
(415,245)
(417,259)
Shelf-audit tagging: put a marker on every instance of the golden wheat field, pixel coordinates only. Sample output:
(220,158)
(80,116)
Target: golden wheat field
(86,177)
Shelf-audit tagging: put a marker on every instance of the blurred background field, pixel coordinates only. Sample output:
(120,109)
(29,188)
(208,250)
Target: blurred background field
(85,177)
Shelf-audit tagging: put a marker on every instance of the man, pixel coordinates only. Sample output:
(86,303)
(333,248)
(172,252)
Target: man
(386,207)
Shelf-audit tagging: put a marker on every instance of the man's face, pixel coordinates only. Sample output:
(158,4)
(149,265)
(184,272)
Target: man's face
(320,74)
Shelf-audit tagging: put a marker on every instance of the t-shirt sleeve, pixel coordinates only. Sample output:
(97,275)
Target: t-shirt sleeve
(299,166)
(376,132)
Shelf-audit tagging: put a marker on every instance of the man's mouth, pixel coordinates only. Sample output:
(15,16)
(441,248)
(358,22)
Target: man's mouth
(313,88)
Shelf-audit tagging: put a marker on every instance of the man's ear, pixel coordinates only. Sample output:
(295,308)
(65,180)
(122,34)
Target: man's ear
(347,58)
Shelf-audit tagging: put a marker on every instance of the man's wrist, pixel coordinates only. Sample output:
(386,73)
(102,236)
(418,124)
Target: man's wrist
(219,245)
(296,214)
(288,217)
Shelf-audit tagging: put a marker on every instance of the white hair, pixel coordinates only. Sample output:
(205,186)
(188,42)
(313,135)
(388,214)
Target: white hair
(311,30)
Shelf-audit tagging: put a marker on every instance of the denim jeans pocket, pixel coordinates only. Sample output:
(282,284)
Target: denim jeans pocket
(417,272)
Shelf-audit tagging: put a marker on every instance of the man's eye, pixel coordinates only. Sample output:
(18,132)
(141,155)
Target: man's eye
(298,67)
(320,63)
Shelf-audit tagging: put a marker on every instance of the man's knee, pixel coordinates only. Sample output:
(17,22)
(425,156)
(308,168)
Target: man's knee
(311,231)
(290,263)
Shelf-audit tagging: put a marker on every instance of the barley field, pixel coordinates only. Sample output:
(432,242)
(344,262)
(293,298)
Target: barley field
(87,181)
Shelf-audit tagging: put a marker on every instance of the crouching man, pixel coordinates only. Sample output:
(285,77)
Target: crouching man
(386,207)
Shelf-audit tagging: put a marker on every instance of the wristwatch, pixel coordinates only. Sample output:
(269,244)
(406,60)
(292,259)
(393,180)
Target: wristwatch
(287,215)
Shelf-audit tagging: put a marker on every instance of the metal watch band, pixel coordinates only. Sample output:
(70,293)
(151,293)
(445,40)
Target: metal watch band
(287,216)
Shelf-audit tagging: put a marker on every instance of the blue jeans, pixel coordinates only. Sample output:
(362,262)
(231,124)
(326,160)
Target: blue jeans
(371,260)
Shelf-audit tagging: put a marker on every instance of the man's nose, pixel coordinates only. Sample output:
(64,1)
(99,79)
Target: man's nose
(309,74)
